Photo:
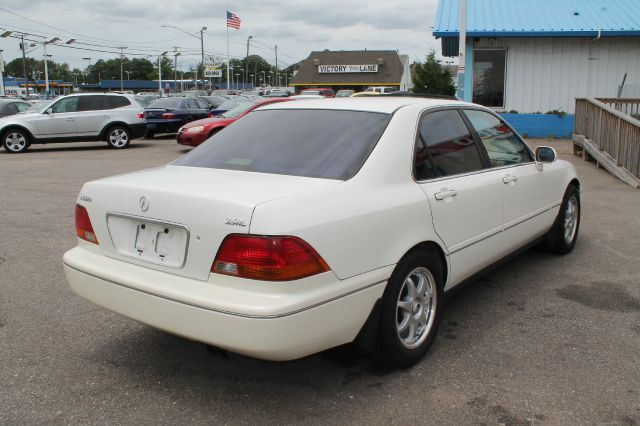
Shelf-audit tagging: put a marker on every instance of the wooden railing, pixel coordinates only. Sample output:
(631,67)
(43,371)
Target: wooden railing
(627,106)
(600,124)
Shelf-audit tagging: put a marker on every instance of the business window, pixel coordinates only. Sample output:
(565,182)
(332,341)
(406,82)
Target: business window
(489,77)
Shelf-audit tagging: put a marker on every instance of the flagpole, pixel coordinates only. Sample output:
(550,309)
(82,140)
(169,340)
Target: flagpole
(227,23)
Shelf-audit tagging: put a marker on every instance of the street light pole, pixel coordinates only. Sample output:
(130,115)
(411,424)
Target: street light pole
(160,73)
(246,61)
(175,70)
(202,30)
(128,74)
(121,68)
(46,68)
(88,65)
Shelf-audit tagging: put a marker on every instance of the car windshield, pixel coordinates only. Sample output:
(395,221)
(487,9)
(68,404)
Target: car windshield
(238,110)
(167,103)
(312,143)
(39,107)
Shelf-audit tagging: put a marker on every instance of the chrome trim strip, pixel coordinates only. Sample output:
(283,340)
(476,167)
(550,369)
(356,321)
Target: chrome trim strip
(507,228)
(222,311)
(476,242)
(532,216)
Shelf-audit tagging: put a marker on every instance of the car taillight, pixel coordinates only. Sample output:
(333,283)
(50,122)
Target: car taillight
(267,258)
(167,115)
(210,114)
(141,115)
(84,229)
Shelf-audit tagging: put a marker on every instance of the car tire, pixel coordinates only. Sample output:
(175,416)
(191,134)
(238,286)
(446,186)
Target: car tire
(562,236)
(118,137)
(16,141)
(411,310)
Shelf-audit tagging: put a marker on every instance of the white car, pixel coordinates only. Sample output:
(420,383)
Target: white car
(114,118)
(308,225)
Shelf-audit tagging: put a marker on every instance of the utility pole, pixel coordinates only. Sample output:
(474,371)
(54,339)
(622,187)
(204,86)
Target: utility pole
(246,61)
(24,64)
(175,68)
(121,68)
(277,81)
(202,30)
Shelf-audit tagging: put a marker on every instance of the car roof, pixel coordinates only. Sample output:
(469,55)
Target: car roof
(386,104)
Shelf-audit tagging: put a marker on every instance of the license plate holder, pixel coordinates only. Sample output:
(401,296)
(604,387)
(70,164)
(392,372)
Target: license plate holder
(149,240)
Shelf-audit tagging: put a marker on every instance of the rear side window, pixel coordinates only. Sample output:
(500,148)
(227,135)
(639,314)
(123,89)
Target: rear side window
(90,103)
(22,106)
(10,108)
(167,103)
(202,104)
(313,143)
(503,146)
(112,102)
(445,147)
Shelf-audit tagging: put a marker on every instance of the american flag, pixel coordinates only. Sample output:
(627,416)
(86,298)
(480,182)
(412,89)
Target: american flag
(233,21)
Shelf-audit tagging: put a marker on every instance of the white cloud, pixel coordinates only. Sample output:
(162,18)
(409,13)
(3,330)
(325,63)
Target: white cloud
(297,27)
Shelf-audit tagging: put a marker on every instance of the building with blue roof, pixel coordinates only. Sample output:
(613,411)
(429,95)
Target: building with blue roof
(534,57)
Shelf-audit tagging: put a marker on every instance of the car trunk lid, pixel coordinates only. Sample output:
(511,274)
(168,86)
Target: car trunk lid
(174,218)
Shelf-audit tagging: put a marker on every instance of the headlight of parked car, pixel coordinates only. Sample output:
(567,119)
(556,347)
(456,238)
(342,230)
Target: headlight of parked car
(196,129)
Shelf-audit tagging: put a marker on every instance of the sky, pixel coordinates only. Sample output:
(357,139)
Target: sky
(296,27)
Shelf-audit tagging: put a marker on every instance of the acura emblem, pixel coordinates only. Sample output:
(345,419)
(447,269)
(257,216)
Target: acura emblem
(144,203)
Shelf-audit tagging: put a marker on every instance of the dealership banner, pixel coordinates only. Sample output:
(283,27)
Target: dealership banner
(334,69)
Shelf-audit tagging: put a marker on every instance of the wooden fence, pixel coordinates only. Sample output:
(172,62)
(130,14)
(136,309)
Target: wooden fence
(610,136)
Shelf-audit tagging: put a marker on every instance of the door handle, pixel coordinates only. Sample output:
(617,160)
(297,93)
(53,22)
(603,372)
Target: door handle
(509,178)
(106,116)
(444,194)
(70,119)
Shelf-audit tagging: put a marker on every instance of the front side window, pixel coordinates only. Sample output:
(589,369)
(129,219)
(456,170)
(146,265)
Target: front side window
(503,147)
(202,104)
(489,77)
(191,104)
(445,147)
(65,105)
(319,143)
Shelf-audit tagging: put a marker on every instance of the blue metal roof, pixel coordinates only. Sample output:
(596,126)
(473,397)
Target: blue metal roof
(509,18)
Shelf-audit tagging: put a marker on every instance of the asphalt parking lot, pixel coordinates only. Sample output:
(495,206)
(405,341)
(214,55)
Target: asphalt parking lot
(540,340)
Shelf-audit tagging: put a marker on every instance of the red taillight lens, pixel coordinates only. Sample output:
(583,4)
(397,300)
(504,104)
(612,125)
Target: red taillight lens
(267,258)
(168,115)
(84,229)
(210,114)
(141,115)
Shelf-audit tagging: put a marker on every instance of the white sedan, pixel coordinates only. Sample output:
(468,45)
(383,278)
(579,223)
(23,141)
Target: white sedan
(307,225)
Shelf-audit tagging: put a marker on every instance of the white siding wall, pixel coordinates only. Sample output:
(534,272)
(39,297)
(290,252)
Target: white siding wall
(547,73)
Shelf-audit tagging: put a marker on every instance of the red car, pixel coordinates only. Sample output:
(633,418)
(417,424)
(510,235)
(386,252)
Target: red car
(196,132)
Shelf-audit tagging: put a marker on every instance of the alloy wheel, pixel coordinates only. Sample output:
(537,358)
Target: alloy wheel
(416,308)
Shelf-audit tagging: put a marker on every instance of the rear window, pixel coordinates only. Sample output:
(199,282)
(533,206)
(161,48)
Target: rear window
(167,103)
(112,102)
(312,143)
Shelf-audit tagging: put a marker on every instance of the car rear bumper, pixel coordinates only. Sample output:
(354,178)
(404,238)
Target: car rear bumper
(272,326)
(164,126)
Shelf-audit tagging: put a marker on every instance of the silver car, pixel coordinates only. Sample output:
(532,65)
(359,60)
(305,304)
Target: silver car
(114,118)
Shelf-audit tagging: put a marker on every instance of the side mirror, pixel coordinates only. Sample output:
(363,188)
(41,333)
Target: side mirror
(545,154)
(49,111)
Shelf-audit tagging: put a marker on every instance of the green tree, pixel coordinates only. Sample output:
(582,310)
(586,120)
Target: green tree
(431,78)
